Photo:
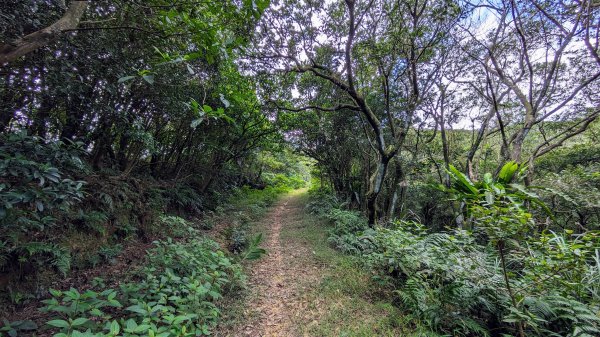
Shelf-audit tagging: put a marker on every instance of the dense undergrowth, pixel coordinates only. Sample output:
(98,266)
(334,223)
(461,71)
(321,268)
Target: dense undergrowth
(174,295)
(61,218)
(500,275)
(178,289)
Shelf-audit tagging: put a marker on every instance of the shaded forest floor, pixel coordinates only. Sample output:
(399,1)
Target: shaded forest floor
(302,287)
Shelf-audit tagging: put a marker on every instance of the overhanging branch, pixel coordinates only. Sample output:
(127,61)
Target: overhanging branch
(70,20)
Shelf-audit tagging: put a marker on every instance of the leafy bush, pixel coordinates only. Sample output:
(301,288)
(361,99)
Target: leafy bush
(350,232)
(172,226)
(503,277)
(109,252)
(573,195)
(238,240)
(455,286)
(182,198)
(346,222)
(13,328)
(282,180)
(36,189)
(253,202)
(174,296)
(446,281)
(321,201)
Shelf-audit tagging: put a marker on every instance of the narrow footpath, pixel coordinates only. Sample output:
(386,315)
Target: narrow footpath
(302,287)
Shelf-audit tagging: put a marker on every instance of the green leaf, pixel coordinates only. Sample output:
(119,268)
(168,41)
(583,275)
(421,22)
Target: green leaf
(96,312)
(149,78)
(507,172)
(79,321)
(130,324)
(137,309)
(125,79)
(115,328)
(487,178)
(142,328)
(464,183)
(59,323)
(28,325)
(111,296)
(55,293)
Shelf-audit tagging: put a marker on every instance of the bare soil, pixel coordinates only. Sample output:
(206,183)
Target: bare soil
(276,282)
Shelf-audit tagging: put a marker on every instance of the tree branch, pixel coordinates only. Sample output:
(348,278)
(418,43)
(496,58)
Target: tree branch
(29,43)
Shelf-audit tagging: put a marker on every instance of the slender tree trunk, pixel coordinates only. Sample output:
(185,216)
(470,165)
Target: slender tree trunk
(42,114)
(376,184)
(399,190)
(501,247)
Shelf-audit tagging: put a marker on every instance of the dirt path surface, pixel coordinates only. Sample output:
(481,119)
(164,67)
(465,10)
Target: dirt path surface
(276,281)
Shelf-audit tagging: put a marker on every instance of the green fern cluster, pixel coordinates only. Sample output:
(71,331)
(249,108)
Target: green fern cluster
(454,283)
(183,198)
(350,232)
(447,281)
(455,286)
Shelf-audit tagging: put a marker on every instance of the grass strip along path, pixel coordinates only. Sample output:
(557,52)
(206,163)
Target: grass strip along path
(303,287)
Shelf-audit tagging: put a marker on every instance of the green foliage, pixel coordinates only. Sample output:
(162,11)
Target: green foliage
(346,222)
(253,251)
(252,202)
(109,252)
(174,296)
(13,329)
(293,182)
(350,232)
(501,277)
(173,226)
(321,201)
(447,281)
(72,305)
(36,188)
(452,284)
(238,240)
(281,167)
(573,194)
(550,266)
(182,197)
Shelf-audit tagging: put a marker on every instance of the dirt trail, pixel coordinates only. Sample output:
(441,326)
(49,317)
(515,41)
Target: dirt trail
(275,281)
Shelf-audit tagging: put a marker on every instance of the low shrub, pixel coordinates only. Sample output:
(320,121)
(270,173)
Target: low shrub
(350,232)
(500,279)
(174,295)
(321,201)
(172,226)
(282,180)
(346,222)
(37,189)
(445,280)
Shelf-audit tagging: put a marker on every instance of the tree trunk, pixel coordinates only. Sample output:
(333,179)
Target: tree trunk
(11,51)
(376,184)
(399,190)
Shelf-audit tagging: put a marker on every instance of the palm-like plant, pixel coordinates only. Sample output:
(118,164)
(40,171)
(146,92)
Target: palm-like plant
(498,206)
